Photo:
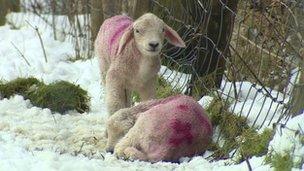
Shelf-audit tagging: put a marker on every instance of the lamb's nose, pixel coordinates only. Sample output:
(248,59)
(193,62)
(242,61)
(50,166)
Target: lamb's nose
(153,45)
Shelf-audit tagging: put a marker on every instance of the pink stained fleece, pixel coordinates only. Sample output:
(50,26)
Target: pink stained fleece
(113,29)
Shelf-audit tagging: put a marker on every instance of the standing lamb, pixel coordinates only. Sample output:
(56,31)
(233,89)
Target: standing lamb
(159,130)
(129,56)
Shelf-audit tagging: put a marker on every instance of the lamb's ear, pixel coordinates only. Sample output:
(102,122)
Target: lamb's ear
(126,37)
(173,37)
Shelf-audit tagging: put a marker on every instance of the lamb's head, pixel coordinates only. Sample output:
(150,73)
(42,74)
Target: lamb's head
(149,32)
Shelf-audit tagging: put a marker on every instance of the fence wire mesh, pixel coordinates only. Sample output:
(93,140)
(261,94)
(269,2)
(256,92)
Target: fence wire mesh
(247,53)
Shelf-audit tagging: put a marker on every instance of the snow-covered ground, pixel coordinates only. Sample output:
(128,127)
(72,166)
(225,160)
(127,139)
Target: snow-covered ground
(33,138)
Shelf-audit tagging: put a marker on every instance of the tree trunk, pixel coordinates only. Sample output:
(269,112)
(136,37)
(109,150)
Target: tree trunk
(3,11)
(96,18)
(14,5)
(214,21)
(297,40)
(7,6)
(297,102)
(141,7)
(111,8)
(219,30)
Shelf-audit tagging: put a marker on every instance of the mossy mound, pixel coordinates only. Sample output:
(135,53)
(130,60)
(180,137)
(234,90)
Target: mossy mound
(18,86)
(60,97)
(236,133)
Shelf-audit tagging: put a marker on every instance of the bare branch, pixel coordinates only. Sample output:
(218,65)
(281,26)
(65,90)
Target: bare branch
(40,38)
(21,54)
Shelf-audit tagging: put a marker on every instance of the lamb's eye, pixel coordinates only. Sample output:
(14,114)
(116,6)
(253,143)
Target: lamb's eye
(163,30)
(137,31)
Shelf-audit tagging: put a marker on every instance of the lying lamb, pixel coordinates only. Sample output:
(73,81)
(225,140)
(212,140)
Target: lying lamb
(129,56)
(159,130)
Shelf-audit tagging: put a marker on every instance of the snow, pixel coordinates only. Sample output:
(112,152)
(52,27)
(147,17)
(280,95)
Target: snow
(254,103)
(176,79)
(33,138)
(287,141)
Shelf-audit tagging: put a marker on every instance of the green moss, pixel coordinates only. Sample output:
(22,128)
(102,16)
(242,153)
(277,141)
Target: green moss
(253,144)
(163,90)
(280,162)
(222,152)
(236,133)
(18,86)
(230,125)
(215,109)
(60,97)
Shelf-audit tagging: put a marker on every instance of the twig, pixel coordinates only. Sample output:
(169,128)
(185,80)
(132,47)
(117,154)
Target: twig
(21,54)
(259,47)
(55,121)
(248,164)
(80,148)
(41,42)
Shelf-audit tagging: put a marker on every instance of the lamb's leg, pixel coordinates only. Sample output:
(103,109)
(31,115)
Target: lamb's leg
(128,98)
(121,121)
(115,92)
(103,63)
(126,147)
(104,66)
(133,153)
(149,91)
(118,125)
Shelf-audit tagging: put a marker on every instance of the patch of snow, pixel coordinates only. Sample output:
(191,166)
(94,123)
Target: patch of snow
(178,80)
(287,141)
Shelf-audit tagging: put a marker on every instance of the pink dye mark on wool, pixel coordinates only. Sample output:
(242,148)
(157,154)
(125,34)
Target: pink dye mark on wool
(123,24)
(182,133)
(203,120)
(183,107)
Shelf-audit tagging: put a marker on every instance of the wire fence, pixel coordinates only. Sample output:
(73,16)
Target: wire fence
(247,53)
